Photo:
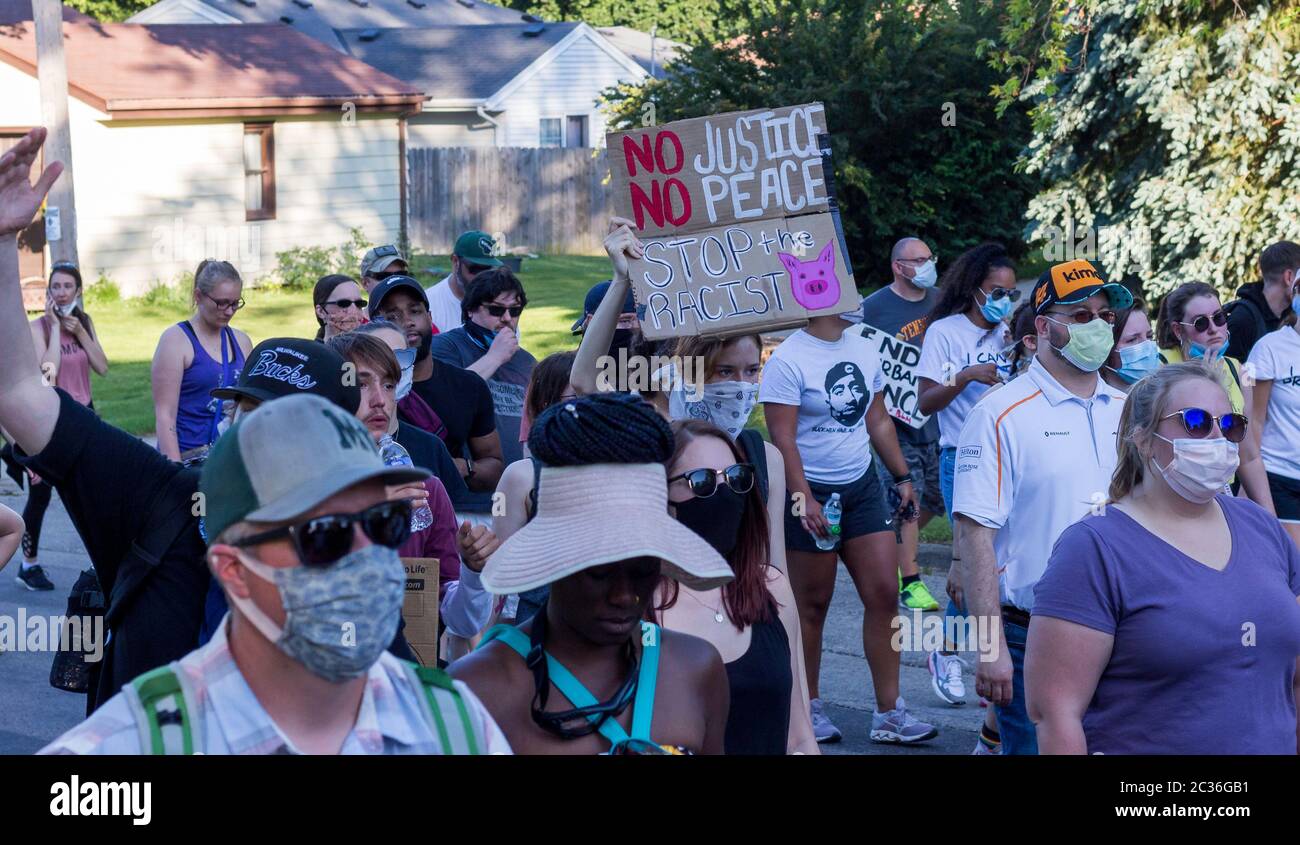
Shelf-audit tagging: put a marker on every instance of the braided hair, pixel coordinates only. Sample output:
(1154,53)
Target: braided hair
(603,428)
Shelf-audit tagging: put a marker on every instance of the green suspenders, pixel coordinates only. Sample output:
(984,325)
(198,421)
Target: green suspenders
(168,721)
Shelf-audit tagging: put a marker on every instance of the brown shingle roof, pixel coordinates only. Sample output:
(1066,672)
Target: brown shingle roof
(160,70)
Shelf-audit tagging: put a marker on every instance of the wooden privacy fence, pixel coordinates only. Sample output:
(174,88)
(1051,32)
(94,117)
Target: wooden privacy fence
(549,200)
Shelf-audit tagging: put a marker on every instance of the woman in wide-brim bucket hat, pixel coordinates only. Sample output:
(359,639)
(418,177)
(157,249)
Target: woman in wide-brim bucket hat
(586,674)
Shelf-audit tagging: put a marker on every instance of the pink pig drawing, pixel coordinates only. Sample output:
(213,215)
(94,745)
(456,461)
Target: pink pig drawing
(814,283)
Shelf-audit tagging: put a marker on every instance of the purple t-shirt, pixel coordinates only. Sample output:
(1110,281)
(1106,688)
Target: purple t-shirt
(1203,660)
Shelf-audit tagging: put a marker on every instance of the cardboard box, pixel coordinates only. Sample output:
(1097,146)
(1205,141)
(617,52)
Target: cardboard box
(420,608)
(738,221)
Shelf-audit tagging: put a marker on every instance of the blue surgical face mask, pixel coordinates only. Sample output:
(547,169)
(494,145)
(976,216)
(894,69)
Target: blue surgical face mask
(996,310)
(1137,361)
(1295,303)
(926,275)
(1196,350)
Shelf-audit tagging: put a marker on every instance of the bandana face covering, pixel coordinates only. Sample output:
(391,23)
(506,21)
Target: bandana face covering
(406,360)
(729,404)
(338,619)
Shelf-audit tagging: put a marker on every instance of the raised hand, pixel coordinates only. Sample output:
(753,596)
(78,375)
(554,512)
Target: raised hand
(620,243)
(19,198)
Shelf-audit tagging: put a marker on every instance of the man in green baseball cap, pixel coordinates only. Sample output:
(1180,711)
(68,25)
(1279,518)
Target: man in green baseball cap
(474,252)
(303,540)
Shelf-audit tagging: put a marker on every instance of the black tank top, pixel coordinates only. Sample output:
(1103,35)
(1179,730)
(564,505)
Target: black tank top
(759,719)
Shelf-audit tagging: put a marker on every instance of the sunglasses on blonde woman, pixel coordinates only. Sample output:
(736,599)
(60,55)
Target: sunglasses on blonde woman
(1199,423)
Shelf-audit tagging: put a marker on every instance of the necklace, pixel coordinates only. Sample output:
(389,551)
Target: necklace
(718,615)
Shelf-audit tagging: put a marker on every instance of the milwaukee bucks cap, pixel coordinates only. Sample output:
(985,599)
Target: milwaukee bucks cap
(290,366)
(477,248)
(1072,282)
(285,458)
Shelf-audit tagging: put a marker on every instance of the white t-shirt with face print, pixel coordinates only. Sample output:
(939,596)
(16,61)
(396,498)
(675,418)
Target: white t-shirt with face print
(832,383)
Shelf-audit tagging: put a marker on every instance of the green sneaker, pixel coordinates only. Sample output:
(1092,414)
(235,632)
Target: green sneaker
(915,596)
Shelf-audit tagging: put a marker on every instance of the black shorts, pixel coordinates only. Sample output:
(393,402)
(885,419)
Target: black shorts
(1286,497)
(865,511)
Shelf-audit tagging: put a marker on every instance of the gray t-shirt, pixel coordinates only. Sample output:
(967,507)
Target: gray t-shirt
(907,321)
(507,384)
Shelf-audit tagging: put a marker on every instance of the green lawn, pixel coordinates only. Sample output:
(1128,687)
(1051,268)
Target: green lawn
(129,329)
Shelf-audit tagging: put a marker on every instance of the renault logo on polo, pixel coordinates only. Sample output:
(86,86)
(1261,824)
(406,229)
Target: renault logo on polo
(1056,434)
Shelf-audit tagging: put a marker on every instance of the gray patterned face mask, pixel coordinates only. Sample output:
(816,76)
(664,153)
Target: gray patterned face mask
(338,618)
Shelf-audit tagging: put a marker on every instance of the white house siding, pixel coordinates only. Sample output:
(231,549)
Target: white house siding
(156,197)
(449,129)
(568,85)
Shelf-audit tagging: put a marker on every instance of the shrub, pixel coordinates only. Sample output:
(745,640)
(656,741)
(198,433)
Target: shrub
(102,292)
(298,268)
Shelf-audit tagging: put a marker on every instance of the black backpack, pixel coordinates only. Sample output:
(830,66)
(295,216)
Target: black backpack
(1261,327)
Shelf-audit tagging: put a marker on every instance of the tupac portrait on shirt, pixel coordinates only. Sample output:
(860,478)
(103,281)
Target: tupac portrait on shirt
(846,393)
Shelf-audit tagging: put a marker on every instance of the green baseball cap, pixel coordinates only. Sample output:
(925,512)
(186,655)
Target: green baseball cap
(285,458)
(477,248)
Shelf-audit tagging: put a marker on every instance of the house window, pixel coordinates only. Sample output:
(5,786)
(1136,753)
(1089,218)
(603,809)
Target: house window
(576,136)
(551,130)
(259,171)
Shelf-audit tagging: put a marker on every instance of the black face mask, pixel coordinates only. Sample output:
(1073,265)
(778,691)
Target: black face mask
(623,339)
(716,519)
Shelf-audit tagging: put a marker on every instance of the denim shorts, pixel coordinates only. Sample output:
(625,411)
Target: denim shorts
(864,511)
(923,463)
(947,477)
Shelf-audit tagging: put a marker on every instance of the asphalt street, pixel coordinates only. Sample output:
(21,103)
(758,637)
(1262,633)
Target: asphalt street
(32,713)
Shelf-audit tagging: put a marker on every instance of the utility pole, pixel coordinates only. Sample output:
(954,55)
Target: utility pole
(52,71)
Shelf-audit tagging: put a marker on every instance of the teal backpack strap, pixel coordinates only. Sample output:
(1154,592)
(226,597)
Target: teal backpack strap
(446,707)
(643,710)
(568,685)
(160,702)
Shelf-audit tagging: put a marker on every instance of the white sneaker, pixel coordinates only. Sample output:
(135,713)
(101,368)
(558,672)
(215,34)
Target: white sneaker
(824,729)
(900,726)
(945,677)
(982,750)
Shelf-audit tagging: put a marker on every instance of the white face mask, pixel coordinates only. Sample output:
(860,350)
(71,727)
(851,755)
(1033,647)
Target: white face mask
(1201,467)
(729,404)
(926,275)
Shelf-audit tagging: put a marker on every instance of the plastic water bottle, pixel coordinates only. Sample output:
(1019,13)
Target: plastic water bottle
(833,511)
(395,455)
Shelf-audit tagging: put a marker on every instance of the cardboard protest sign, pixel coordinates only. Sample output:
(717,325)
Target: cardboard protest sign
(420,608)
(898,359)
(737,217)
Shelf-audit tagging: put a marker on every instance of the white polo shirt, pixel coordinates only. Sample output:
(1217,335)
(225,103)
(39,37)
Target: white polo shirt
(1032,459)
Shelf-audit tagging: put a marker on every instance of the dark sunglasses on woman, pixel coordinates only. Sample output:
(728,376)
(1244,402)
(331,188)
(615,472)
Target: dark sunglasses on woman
(1202,323)
(324,539)
(1199,423)
(360,304)
(1005,293)
(703,482)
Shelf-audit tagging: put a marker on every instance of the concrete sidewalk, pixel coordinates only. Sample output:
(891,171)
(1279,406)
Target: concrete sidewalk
(32,713)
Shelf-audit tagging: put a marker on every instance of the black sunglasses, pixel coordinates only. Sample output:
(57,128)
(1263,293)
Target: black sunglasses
(703,482)
(1199,423)
(1202,323)
(500,310)
(1004,293)
(324,539)
(344,303)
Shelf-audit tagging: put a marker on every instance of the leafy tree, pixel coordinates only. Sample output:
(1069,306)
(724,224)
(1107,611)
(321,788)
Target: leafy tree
(1169,129)
(688,21)
(918,148)
(110,11)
